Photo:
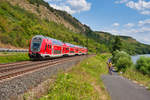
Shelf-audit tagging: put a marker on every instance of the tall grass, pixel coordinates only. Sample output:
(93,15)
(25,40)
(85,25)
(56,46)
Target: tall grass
(133,74)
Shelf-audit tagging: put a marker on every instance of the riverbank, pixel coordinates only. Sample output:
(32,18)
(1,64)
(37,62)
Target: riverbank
(137,77)
(136,57)
(137,72)
(82,82)
(132,74)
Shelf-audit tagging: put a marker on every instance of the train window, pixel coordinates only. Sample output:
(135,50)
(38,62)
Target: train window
(67,48)
(49,46)
(35,46)
(71,51)
(57,51)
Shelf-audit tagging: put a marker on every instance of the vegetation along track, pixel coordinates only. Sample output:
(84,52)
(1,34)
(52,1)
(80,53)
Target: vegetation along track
(15,69)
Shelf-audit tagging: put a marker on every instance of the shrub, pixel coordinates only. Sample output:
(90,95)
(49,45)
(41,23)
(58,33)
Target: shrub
(143,65)
(122,60)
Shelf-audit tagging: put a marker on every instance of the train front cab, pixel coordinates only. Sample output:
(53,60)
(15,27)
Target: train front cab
(43,47)
(35,47)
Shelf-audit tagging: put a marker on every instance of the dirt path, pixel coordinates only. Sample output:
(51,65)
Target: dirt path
(121,88)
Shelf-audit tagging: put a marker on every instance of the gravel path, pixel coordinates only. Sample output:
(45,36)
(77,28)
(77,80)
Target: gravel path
(121,88)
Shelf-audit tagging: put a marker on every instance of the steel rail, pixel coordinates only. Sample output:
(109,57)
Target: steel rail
(10,73)
(12,64)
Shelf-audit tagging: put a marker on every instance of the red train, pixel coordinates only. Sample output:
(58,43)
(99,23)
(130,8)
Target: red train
(42,47)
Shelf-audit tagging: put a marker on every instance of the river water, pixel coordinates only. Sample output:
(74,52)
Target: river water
(135,58)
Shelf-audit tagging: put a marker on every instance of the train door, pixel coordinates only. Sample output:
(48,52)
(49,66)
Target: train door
(46,48)
(67,50)
(63,49)
(49,49)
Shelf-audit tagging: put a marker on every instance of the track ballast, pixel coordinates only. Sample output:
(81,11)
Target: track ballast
(11,70)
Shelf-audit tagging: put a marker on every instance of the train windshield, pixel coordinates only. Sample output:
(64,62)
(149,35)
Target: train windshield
(36,44)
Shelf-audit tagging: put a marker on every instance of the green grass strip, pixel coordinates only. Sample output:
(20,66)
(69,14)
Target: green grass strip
(83,82)
(13,57)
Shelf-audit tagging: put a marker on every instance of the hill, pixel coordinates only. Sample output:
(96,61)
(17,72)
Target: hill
(129,44)
(17,26)
(22,19)
(44,11)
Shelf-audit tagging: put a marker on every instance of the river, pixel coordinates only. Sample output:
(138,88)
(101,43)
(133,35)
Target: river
(135,58)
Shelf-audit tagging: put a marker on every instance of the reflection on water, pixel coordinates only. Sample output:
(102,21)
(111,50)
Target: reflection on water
(135,58)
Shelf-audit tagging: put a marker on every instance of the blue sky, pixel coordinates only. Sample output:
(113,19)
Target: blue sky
(119,17)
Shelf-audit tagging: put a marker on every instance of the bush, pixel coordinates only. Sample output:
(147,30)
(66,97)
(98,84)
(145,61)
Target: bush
(143,65)
(122,60)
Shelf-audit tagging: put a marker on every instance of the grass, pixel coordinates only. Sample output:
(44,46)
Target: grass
(13,57)
(83,82)
(133,74)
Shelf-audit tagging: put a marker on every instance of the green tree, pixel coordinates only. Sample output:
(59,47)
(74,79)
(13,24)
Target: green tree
(143,65)
(122,60)
(117,44)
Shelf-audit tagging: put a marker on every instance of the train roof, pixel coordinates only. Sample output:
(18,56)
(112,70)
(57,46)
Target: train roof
(58,42)
(54,41)
(71,45)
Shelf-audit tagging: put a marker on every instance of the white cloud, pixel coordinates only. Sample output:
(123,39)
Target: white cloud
(146,12)
(63,8)
(71,6)
(116,24)
(141,5)
(140,34)
(79,5)
(121,1)
(144,22)
(129,25)
(145,29)
(139,30)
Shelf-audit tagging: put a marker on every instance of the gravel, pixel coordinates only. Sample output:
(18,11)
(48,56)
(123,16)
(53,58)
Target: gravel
(11,88)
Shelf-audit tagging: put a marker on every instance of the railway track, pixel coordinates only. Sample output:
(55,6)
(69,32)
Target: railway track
(14,69)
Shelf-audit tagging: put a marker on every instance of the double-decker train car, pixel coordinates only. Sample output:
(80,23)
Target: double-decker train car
(42,47)
(71,49)
(65,49)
